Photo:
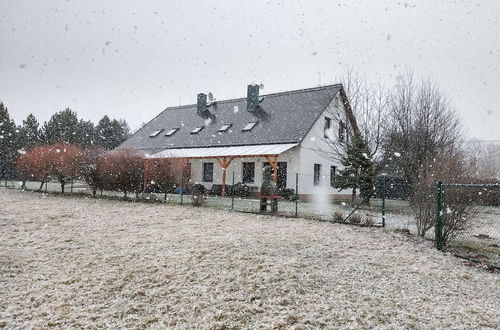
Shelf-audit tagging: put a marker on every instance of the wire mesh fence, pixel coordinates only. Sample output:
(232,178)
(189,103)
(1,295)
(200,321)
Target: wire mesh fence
(468,221)
(464,219)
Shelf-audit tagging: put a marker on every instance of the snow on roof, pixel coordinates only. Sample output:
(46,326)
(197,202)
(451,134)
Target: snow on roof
(213,152)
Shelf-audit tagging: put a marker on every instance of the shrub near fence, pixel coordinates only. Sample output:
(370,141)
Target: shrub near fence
(468,220)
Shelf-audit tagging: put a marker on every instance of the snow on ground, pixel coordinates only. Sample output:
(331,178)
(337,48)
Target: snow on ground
(82,262)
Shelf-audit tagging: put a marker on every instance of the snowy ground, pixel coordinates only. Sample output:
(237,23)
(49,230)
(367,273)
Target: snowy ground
(82,262)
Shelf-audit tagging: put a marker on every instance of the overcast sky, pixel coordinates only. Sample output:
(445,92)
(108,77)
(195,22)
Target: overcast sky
(131,59)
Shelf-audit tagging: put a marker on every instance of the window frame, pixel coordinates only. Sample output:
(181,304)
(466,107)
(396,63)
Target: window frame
(197,130)
(243,174)
(156,133)
(247,128)
(342,131)
(317,175)
(327,126)
(224,128)
(172,131)
(207,177)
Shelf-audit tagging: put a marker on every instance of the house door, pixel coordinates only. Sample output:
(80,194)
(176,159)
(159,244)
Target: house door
(282,172)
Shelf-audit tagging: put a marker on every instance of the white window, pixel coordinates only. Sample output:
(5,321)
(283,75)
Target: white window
(225,127)
(171,132)
(156,133)
(197,130)
(249,126)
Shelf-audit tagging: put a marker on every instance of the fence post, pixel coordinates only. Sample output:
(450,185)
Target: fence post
(296,195)
(182,192)
(383,199)
(439,216)
(232,194)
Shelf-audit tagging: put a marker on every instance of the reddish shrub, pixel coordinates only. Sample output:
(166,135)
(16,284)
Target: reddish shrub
(89,167)
(121,170)
(164,174)
(65,162)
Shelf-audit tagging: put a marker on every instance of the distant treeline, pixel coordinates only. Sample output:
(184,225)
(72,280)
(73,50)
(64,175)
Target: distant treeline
(63,127)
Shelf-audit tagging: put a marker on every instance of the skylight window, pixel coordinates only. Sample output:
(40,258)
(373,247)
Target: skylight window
(249,126)
(156,133)
(197,130)
(172,131)
(225,127)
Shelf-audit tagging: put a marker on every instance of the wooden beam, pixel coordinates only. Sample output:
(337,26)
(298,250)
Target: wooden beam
(274,163)
(224,163)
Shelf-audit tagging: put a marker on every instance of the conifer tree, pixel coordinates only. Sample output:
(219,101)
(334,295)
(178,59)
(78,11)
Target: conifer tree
(62,127)
(30,133)
(9,135)
(358,172)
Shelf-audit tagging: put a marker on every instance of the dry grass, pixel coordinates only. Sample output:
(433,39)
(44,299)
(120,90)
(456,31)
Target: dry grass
(74,262)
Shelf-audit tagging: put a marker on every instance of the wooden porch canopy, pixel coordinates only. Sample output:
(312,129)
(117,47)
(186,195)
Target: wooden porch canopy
(225,155)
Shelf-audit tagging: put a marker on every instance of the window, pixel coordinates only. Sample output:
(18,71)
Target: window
(248,172)
(342,128)
(208,172)
(156,133)
(171,132)
(197,130)
(225,127)
(282,174)
(317,174)
(333,169)
(249,126)
(328,124)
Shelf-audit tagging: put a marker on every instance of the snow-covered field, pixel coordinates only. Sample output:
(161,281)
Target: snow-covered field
(82,262)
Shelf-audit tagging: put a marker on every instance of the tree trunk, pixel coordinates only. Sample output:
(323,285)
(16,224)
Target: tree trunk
(62,186)
(94,191)
(353,196)
(23,186)
(41,186)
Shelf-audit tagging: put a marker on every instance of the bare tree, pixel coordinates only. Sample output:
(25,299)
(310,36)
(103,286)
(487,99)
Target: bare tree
(423,138)
(365,104)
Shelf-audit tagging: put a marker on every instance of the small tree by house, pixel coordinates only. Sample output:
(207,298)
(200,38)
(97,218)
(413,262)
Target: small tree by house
(358,172)
(34,165)
(65,162)
(165,174)
(90,170)
(122,170)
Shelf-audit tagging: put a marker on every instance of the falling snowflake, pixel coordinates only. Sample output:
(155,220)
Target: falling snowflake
(397,154)
(236,109)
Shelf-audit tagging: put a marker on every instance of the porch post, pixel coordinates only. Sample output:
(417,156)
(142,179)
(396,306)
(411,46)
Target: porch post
(224,163)
(274,163)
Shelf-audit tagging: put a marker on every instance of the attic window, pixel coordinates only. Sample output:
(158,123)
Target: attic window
(225,127)
(156,133)
(197,130)
(172,131)
(249,126)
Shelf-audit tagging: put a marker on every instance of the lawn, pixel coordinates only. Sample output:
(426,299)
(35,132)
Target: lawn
(82,262)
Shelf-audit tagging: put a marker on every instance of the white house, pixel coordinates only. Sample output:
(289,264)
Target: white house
(296,132)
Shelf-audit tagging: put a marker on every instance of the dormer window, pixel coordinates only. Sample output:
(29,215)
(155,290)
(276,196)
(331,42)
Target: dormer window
(249,126)
(156,133)
(197,130)
(172,131)
(225,127)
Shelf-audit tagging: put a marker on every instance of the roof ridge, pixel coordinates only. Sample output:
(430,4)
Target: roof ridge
(295,91)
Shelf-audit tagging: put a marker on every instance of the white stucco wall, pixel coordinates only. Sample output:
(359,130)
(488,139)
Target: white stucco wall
(291,157)
(315,150)
(301,159)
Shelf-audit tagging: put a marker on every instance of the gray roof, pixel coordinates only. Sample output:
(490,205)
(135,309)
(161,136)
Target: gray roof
(284,118)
